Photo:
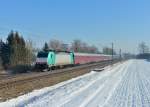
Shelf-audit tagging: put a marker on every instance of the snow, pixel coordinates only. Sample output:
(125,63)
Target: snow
(122,85)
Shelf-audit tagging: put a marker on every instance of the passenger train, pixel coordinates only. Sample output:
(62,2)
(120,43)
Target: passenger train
(53,59)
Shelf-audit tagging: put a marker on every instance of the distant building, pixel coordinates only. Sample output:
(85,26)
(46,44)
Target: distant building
(65,47)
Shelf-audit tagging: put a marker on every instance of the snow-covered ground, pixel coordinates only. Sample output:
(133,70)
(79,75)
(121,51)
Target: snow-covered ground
(122,85)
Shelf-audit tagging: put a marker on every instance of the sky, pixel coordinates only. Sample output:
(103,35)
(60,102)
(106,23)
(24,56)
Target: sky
(126,23)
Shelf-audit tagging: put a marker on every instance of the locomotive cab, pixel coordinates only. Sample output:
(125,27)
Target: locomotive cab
(41,60)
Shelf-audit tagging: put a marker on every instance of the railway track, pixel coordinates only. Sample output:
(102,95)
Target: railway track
(4,82)
(12,83)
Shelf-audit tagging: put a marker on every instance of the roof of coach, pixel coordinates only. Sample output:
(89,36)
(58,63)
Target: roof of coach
(90,54)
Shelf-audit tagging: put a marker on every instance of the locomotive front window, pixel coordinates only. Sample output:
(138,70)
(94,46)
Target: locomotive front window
(42,54)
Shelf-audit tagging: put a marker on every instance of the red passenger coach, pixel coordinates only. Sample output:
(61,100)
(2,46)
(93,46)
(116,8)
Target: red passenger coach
(81,58)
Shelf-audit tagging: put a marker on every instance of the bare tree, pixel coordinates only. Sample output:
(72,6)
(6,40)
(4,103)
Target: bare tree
(93,49)
(1,67)
(55,44)
(80,46)
(84,47)
(108,51)
(1,43)
(65,47)
(30,58)
(143,48)
(76,45)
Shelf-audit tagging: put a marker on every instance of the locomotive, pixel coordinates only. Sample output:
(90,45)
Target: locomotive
(53,59)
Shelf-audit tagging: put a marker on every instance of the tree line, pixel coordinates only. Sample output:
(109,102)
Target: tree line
(15,51)
(76,46)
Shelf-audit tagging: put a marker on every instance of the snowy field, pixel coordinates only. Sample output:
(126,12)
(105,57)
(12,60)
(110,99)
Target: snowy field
(122,85)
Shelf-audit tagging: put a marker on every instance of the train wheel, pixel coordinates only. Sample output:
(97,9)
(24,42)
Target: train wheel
(49,69)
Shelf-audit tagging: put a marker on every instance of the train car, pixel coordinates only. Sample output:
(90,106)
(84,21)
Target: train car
(82,58)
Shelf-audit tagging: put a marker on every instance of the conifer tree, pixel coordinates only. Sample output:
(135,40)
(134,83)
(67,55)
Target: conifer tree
(45,48)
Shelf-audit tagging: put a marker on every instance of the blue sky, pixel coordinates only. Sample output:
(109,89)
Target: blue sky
(99,22)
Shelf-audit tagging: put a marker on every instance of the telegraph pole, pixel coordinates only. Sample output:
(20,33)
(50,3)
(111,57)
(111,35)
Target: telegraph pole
(112,53)
(120,54)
